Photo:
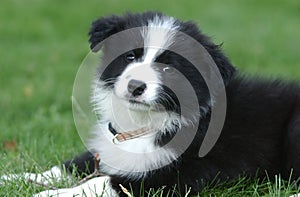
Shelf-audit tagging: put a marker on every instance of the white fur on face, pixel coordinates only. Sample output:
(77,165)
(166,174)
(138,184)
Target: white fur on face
(138,71)
(158,36)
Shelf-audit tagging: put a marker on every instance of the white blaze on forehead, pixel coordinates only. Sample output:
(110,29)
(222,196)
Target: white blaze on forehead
(158,36)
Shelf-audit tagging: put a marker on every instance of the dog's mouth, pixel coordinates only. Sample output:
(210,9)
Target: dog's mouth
(138,105)
(143,106)
(133,101)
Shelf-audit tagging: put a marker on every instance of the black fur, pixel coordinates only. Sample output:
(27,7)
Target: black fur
(261,132)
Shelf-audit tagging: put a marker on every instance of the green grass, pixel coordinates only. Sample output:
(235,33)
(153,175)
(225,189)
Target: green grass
(42,44)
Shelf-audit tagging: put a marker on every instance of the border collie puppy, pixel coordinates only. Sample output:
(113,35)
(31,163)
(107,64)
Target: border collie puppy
(139,114)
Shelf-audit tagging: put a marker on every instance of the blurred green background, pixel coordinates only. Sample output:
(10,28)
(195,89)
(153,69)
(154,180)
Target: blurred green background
(43,42)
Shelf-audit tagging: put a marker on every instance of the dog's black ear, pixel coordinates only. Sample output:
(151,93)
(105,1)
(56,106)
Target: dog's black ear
(225,67)
(223,63)
(103,28)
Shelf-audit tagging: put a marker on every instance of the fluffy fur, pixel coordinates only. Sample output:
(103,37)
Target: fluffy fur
(260,136)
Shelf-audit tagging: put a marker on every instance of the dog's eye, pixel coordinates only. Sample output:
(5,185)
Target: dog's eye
(168,69)
(130,56)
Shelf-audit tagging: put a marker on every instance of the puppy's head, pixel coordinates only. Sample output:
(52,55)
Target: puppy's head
(144,76)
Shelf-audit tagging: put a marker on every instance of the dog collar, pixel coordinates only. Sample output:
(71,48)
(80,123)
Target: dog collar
(128,135)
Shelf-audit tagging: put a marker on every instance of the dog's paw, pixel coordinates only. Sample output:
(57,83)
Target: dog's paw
(47,177)
(95,187)
(54,193)
(295,195)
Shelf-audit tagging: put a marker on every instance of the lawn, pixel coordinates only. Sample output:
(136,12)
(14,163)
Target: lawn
(42,44)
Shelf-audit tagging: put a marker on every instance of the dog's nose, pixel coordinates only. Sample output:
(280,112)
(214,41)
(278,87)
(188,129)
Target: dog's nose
(136,87)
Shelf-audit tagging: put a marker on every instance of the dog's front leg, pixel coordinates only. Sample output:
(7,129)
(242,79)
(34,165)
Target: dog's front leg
(81,165)
(53,175)
(99,186)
